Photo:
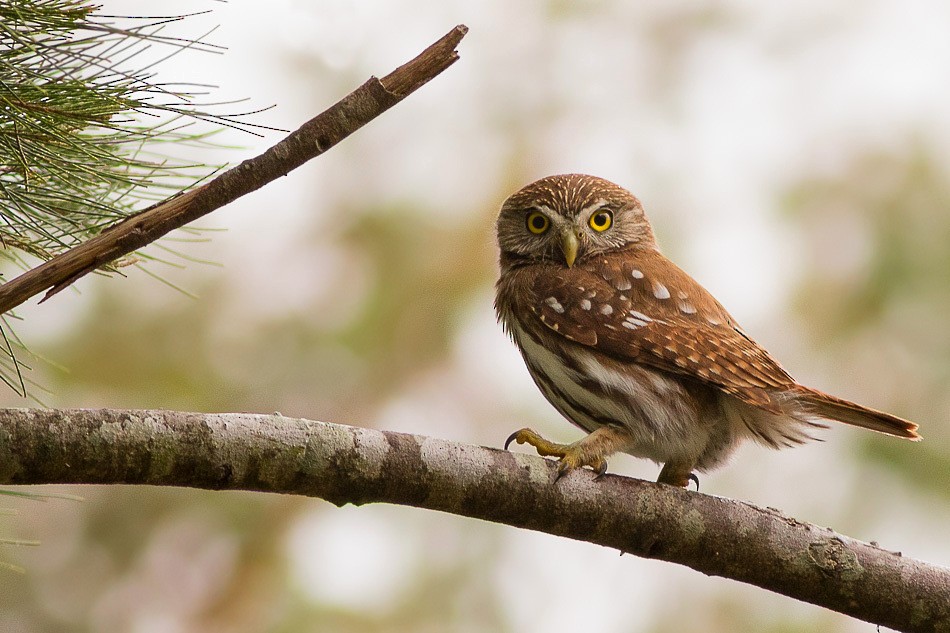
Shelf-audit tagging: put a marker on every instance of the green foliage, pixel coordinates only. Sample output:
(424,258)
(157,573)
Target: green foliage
(80,118)
(73,151)
(79,124)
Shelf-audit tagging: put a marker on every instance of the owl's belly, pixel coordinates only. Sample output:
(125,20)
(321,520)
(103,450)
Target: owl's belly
(667,419)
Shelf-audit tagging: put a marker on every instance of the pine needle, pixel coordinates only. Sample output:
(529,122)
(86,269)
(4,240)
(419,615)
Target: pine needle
(86,133)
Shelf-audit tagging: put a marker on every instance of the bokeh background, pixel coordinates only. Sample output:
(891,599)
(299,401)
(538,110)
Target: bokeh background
(794,157)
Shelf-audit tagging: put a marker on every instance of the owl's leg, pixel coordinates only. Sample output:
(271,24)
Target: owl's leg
(678,474)
(592,450)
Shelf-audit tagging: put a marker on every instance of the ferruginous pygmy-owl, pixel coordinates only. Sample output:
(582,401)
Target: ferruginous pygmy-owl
(631,349)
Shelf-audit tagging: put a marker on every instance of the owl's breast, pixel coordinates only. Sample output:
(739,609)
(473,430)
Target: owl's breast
(591,390)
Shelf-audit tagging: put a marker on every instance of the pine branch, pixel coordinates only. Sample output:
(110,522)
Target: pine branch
(344,464)
(312,139)
(81,117)
(87,134)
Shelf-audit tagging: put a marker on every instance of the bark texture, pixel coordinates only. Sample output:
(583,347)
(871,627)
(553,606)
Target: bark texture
(344,464)
(313,138)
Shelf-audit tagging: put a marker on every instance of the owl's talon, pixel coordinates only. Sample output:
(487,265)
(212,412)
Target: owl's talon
(570,456)
(544,447)
(574,458)
(512,438)
(693,478)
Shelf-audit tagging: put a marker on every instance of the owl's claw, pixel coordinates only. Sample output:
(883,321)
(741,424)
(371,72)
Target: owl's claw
(678,474)
(515,436)
(693,478)
(570,456)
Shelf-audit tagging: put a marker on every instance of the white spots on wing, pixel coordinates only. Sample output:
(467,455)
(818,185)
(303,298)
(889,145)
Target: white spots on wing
(636,319)
(636,274)
(555,305)
(585,304)
(660,291)
(606,309)
(713,321)
(590,294)
(624,298)
(687,308)
(623,284)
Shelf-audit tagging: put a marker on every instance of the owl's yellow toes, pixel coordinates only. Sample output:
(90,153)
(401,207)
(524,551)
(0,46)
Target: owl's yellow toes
(570,456)
(575,457)
(544,447)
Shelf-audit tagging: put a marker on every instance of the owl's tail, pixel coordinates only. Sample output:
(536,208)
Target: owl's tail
(821,405)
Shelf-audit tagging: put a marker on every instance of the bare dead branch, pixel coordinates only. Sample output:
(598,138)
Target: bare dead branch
(312,139)
(344,464)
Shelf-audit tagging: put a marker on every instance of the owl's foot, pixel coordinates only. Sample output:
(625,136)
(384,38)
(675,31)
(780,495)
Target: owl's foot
(678,475)
(591,451)
(570,456)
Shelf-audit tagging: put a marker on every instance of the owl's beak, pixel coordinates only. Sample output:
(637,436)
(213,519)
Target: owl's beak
(569,246)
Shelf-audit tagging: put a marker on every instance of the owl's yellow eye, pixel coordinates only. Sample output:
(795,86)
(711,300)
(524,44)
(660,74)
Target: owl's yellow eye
(538,223)
(601,221)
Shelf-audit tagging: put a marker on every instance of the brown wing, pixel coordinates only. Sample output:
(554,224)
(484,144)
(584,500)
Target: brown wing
(640,307)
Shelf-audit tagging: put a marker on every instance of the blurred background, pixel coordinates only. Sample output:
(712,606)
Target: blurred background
(793,157)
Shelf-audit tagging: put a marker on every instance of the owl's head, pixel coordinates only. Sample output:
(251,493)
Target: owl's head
(568,218)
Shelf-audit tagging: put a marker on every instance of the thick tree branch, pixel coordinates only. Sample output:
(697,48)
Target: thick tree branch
(312,139)
(345,464)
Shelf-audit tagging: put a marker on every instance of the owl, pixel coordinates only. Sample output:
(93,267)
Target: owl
(632,350)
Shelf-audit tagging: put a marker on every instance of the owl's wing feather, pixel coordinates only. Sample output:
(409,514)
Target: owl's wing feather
(673,325)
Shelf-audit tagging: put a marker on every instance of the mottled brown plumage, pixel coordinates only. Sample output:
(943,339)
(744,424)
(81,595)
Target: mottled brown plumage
(633,350)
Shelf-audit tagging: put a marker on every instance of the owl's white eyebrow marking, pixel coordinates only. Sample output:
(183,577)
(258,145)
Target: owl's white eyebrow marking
(555,305)
(606,309)
(687,308)
(660,291)
(593,207)
(636,274)
(585,304)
